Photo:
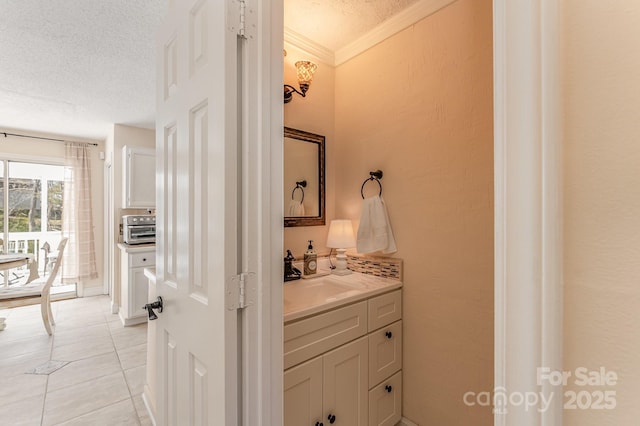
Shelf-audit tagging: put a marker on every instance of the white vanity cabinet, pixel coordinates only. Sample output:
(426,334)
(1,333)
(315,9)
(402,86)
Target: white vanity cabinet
(134,285)
(139,180)
(343,366)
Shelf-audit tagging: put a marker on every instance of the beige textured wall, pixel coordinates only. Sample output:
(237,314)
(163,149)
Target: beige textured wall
(315,114)
(24,149)
(419,107)
(602,200)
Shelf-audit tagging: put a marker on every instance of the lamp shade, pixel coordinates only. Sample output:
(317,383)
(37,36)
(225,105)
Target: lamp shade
(341,234)
(305,70)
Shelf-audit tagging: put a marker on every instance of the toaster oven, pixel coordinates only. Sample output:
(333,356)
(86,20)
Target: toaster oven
(139,229)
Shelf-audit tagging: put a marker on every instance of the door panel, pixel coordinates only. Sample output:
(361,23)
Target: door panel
(345,376)
(170,404)
(198,391)
(197,214)
(303,394)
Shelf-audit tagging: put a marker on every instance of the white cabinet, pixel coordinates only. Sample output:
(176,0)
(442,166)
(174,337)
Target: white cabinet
(139,180)
(303,393)
(345,384)
(134,286)
(343,366)
(329,389)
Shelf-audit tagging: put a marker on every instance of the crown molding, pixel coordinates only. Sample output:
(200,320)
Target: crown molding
(391,26)
(301,42)
(409,16)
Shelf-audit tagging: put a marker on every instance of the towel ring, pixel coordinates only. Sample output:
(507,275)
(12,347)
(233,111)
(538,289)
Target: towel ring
(299,185)
(375,176)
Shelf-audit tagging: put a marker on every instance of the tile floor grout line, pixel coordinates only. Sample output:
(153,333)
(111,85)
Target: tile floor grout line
(46,387)
(70,315)
(92,411)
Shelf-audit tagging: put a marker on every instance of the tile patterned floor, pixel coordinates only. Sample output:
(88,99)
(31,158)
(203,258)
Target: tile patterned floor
(102,383)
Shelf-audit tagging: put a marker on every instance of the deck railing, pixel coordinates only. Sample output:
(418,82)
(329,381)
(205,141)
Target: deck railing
(32,243)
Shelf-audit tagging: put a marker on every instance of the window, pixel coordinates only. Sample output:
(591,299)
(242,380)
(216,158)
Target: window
(31,202)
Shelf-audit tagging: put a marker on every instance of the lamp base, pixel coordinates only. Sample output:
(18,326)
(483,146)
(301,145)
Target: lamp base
(341,263)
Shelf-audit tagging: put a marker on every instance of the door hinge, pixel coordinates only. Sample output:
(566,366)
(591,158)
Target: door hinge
(241,19)
(241,290)
(236,16)
(243,10)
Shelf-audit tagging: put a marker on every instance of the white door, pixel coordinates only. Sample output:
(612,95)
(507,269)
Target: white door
(218,143)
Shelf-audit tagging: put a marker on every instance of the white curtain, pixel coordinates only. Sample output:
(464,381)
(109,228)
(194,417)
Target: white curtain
(79,262)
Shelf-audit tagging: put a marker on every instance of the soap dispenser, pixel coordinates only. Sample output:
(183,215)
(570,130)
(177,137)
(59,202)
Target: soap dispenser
(310,260)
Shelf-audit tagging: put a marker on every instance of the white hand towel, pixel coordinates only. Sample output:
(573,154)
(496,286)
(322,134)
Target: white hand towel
(296,208)
(374,231)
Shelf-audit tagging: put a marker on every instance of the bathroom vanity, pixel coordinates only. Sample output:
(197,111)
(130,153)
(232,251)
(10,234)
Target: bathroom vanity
(343,351)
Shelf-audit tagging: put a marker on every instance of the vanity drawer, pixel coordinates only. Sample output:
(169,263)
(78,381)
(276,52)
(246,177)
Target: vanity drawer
(313,336)
(385,309)
(385,352)
(385,402)
(142,259)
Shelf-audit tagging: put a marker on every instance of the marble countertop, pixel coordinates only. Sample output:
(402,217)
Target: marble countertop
(311,296)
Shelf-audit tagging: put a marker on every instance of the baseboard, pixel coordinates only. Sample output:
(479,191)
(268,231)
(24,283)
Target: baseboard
(130,321)
(92,291)
(406,422)
(148,405)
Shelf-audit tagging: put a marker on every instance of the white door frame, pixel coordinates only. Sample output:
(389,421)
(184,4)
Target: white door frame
(264,134)
(107,287)
(528,210)
(528,205)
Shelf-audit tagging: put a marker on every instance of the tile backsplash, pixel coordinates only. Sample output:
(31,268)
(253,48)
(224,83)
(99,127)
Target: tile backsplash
(386,267)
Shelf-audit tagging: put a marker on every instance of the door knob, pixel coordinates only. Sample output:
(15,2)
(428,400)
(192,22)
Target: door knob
(155,305)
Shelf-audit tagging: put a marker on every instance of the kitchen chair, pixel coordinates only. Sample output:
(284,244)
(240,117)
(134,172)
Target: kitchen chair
(50,257)
(39,289)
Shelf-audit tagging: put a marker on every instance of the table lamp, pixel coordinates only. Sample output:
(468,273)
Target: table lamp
(341,238)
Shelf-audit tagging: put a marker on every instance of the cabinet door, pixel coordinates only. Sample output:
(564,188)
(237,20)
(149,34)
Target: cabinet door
(140,177)
(138,290)
(303,394)
(345,389)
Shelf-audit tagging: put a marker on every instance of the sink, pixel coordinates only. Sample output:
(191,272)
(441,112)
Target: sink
(301,294)
(311,296)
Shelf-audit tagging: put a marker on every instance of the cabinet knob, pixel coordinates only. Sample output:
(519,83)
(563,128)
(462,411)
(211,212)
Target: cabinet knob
(319,424)
(388,334)
(144,259)
(388,388)
(331,418)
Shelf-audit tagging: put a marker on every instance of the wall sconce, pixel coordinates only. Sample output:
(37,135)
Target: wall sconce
(305,75)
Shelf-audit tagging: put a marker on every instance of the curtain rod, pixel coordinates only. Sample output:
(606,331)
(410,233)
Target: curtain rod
(46,139)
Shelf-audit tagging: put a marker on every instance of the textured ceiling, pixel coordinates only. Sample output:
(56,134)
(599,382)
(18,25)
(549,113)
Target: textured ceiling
(73,67)
(335,23)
